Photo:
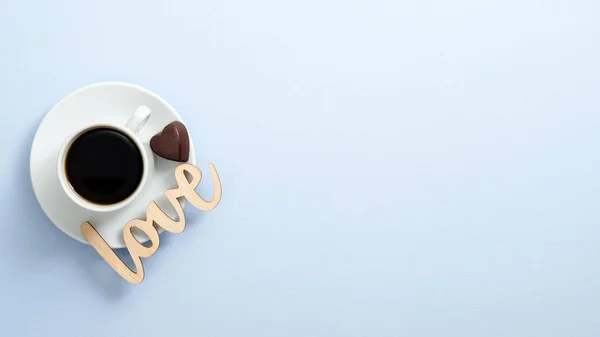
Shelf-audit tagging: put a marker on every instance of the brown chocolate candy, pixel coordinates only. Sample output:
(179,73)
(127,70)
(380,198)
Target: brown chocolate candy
(172,142)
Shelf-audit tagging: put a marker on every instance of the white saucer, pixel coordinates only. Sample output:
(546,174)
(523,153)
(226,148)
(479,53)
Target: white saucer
(108,102)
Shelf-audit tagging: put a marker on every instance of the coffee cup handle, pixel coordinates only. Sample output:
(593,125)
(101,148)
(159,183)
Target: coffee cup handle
(138,119)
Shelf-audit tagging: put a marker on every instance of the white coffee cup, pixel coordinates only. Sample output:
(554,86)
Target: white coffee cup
(131,130)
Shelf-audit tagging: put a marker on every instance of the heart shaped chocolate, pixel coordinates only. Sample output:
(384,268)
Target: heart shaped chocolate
(172,142)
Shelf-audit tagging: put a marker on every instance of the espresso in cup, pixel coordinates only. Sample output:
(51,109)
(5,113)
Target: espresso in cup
(104,166)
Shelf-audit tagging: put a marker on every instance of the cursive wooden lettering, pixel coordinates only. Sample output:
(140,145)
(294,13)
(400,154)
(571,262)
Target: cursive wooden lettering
(154,215)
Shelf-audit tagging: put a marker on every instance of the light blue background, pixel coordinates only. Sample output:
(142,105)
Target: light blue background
(390,168)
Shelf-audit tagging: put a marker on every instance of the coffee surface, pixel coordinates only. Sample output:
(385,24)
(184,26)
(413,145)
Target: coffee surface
(104,166)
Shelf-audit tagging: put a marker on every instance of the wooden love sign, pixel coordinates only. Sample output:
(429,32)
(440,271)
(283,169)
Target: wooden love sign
(154,215)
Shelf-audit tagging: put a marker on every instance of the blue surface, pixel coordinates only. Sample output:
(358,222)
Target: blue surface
(390,168)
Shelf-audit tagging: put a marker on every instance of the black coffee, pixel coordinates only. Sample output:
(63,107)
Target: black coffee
(104,166)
